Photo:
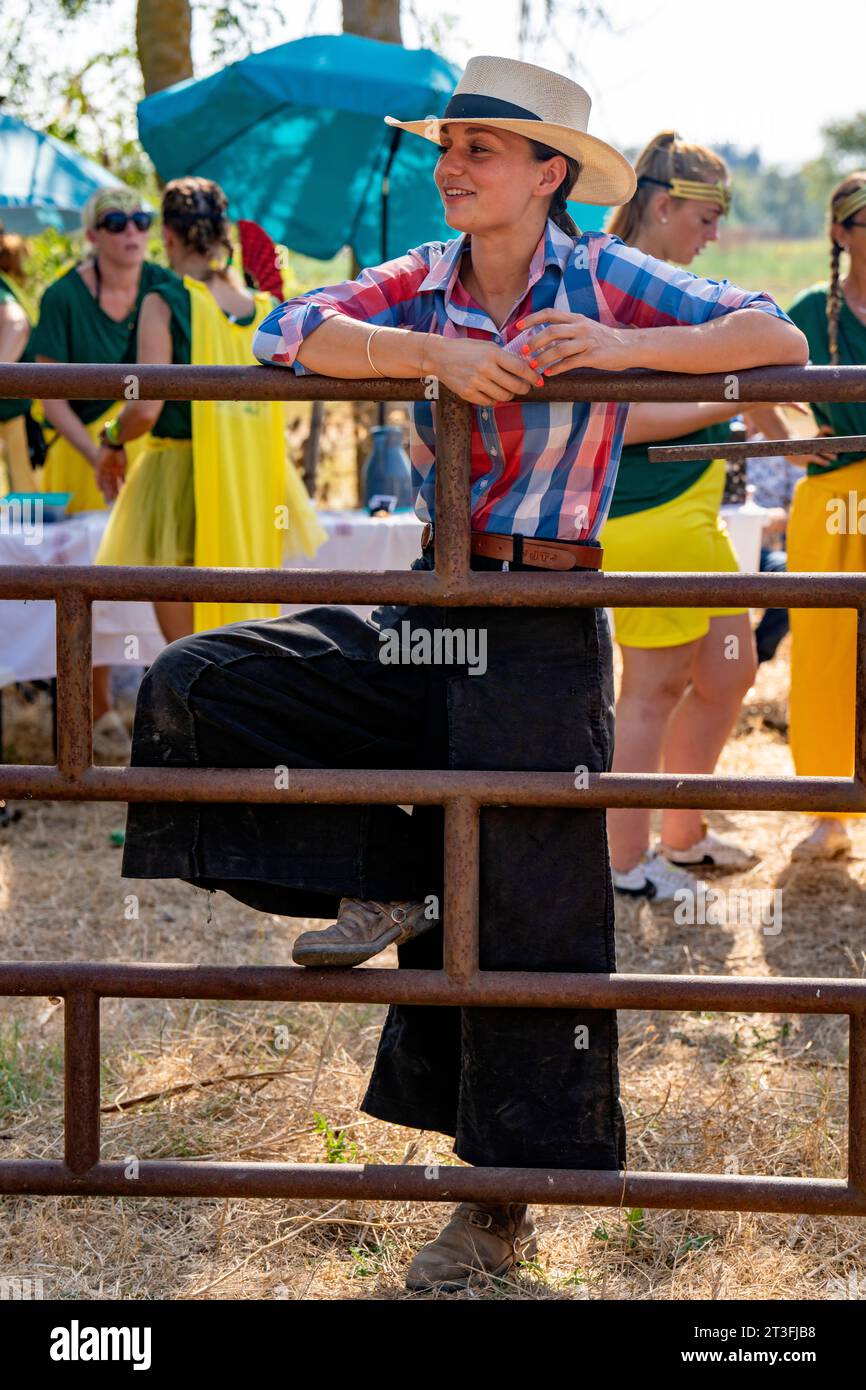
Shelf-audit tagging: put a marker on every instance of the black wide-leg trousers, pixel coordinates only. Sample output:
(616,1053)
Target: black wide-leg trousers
(519,1087)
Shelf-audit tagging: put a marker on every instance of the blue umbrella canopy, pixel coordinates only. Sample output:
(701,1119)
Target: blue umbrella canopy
(296,138)
(44,182)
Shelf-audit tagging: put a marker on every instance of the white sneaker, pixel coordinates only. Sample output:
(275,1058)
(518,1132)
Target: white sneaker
(653,877)
(828,840)
(712,850)
(111,738)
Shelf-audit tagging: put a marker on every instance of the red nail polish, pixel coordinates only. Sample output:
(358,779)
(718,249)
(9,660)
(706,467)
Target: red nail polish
(525,349)
(520,323)
(540,381)
(533,363)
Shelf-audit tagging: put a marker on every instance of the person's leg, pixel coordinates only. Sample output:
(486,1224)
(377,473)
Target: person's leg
(101,691)
(175,619)
(653,682)
(722,671)
(774,624)
(308,691)
(539,1087)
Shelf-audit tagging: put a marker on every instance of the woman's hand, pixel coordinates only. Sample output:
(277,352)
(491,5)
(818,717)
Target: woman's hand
(110,471)
(820,460)
(577,340)
(480,372)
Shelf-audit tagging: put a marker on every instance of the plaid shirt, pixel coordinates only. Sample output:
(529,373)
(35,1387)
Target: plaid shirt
(540,469)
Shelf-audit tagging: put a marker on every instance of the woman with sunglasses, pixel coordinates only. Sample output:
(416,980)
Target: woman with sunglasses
(90,314)
(207,488)
(489,314)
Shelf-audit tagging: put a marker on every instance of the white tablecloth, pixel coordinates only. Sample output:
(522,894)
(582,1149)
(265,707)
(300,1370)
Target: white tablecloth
(355,541)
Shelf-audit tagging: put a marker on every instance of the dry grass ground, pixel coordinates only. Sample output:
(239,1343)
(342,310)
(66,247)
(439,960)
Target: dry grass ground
(702,1092)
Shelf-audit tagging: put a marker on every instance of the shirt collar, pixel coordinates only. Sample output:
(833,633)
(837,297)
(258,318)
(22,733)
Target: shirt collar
(554,248)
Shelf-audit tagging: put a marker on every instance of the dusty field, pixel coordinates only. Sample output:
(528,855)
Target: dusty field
(701,1092)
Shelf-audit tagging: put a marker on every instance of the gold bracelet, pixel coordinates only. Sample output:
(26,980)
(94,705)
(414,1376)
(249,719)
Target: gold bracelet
(369,341)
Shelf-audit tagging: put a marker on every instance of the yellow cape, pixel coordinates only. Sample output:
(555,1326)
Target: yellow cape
(248,495)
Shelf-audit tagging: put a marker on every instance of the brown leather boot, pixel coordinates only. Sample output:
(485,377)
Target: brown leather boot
(362,930)
(477,1240)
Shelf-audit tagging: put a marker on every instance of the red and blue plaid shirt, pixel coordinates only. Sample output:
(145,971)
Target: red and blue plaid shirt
(544,469)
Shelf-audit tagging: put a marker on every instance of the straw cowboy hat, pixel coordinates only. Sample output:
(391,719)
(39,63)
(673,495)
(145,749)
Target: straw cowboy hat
(543,106)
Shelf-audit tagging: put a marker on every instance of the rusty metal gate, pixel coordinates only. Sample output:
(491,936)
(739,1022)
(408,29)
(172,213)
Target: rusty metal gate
(83,985)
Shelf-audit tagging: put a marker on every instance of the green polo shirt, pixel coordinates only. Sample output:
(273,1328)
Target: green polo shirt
(73,328)
(809,312)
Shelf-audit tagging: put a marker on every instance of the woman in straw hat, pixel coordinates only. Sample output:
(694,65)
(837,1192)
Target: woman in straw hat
(525,1087)
(826,528)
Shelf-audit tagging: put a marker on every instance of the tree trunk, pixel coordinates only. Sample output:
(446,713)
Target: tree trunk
(163,30)
(373,19)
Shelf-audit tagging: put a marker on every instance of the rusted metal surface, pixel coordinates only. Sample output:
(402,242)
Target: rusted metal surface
(75,686)
(433,787)
(460,982)
(81,1079)
(186,383)
(517,589)
(495,988)
(392,1182)
(758,448)
(462,886)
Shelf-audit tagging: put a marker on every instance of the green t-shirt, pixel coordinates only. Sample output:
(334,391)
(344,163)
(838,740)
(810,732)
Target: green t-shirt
(809,312)
(73,328)
(641,484)
(9,409)
(175,418)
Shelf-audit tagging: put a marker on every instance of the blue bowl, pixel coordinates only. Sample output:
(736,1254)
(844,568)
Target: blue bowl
(53,504)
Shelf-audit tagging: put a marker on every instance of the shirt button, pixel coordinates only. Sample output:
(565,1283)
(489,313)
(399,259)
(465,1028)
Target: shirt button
(484,414)
(493,450)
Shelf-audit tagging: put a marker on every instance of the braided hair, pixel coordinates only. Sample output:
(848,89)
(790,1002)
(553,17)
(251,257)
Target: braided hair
(849,185)
(195,209)
(557,210)
(667,156)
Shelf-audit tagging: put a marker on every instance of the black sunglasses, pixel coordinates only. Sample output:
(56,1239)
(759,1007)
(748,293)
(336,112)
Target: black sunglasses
(117,221)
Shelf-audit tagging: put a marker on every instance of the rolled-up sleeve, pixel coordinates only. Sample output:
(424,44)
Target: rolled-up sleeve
(644,292)
(384,295)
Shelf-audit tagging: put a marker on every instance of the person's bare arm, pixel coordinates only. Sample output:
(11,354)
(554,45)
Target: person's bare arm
(730,343)
(648,421)
(63,419)
(154,346)
(479,371)
(14,331)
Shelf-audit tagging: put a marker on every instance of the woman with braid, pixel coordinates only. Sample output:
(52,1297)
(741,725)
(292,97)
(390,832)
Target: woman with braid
(680,691)
(824,530)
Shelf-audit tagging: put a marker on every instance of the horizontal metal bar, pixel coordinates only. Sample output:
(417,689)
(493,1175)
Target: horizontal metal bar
(97,381)
(758,448)
(444,1183)
(480,588)
(494,988)
(432,787)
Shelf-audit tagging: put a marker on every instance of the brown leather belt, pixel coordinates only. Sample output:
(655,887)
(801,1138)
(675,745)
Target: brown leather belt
(546,555)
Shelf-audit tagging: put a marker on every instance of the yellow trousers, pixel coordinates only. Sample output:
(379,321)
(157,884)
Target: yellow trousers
(824,536)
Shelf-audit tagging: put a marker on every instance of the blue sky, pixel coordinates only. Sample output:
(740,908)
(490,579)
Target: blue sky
(754,72)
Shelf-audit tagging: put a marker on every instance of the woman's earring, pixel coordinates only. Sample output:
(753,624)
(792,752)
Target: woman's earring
(663,219)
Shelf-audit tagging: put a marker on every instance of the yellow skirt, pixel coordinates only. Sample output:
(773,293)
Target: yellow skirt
(153,520)
(68,471)
(16,472)
(686,533)
(823,640)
